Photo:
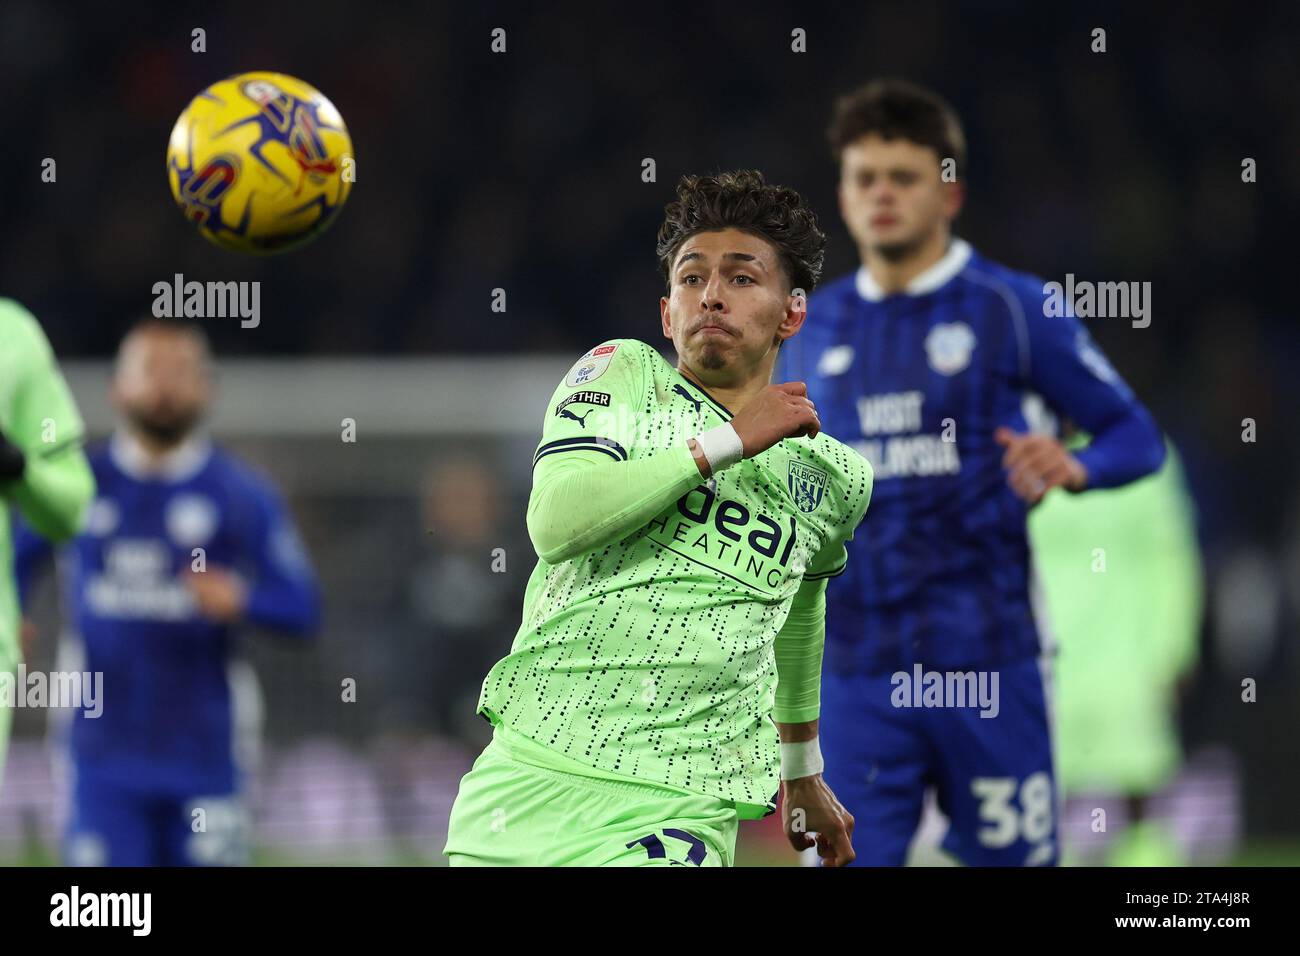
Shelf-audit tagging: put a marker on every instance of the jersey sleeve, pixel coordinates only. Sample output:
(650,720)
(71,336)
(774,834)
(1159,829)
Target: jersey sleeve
(1067,368)
(42,420)
(593,412)
(799,647)
(586,491)
(833,557)
(283,593)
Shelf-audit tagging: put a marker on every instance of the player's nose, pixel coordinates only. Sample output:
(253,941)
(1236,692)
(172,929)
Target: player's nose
(711,296)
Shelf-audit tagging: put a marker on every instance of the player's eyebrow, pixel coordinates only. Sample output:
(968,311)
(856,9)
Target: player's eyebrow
(885,170)
(738,256)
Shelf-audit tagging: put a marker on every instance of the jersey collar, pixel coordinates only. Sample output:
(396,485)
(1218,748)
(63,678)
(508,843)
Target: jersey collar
(717,406)
(953,261)
(181,463)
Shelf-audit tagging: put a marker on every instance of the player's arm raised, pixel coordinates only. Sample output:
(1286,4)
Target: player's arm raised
(280,591)
(587,492)
(1067,368)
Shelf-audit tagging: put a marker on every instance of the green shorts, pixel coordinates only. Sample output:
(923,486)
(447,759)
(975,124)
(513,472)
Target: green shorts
(1114,727)
(512,812)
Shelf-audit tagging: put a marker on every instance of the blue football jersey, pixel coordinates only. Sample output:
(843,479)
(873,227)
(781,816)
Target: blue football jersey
(166,714)
(939,572)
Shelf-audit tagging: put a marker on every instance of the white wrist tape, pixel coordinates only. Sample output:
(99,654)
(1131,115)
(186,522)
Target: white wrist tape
(721,446)
(802,759)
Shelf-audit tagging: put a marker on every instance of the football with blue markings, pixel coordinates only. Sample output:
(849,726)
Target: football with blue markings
(260,163)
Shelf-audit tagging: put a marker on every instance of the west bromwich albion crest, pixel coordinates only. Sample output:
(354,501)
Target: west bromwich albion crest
(948,347)
(807,485)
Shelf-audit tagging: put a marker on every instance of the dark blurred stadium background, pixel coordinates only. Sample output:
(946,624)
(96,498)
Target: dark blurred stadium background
(522,172)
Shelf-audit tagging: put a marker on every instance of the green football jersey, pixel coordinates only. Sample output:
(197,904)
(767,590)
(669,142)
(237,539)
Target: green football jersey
(38,415)
(651,657)
(1120,570)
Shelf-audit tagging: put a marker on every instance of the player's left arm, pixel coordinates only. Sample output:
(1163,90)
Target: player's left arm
(279,590)
(1068,369)
(43,469)
(807,804)
(283,593)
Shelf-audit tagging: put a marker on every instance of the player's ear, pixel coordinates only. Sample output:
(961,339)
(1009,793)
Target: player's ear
(796,313)
(664,318)
(954,197)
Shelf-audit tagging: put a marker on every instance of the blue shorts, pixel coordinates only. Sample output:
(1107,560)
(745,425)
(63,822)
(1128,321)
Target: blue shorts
(887,738)
(121,824)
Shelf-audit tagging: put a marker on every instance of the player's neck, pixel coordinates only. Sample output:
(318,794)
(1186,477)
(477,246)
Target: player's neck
(893,275)
(733,397)
(154,449)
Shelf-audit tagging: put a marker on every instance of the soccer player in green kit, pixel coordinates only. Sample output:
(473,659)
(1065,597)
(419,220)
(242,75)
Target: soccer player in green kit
(43,472)
(1121,574)
(669,659)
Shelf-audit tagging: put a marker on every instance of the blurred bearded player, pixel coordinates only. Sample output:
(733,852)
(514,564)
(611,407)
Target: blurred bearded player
(183,546)
(931,360)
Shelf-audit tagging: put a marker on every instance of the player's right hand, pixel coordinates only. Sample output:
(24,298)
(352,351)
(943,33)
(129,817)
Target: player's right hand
(220,595)
(778,411)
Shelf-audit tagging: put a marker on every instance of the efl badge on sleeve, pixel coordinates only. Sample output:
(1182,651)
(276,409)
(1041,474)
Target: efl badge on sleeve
(591,366)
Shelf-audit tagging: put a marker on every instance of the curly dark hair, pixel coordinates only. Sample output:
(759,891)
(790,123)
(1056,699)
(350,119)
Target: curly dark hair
(897,109)
(744,200)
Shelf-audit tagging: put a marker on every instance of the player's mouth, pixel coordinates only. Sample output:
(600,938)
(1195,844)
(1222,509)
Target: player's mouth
(884,221)
(713,329)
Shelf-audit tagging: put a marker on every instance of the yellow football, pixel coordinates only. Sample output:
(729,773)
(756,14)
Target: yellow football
(260,162)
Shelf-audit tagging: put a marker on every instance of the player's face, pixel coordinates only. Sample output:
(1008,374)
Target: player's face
(729,304)
(892,195)
(162,384)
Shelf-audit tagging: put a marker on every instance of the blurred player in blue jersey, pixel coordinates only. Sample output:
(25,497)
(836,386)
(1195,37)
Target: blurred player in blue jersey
(930,360)
(183,545)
